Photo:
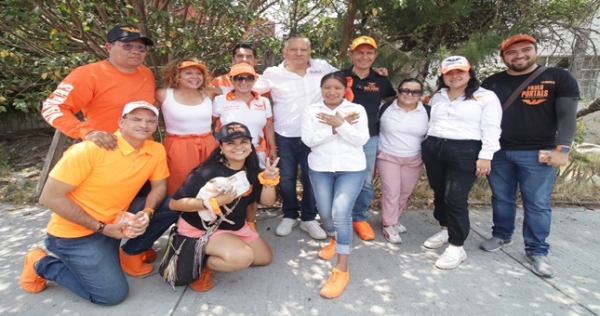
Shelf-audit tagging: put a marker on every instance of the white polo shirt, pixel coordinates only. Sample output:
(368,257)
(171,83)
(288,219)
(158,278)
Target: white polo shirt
(401,132)
(291,93)
(461,119)
(342,151)
(253,114)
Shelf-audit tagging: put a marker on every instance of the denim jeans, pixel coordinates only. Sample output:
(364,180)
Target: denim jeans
(292,151)
(521,168)
(336,192)
(89,266)
(363,202)
(163,219)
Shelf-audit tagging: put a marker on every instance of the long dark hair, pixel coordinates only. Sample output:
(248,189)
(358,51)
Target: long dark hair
(250,165)
(472,85)
(337,75)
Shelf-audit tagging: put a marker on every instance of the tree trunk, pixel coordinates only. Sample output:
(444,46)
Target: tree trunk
(591,108)
(348,30)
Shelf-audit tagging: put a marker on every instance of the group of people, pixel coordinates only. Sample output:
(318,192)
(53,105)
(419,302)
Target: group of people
(338,126)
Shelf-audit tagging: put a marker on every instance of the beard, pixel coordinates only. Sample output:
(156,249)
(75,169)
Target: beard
(524,67)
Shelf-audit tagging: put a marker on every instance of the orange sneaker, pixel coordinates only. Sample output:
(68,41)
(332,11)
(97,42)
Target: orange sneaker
(204,283)
(328,251)
(364,230)
(31,281)
(134,264)
(336,284)
(149,255)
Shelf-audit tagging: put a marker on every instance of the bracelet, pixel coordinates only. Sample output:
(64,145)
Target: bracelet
(149,211)
(101,228)
(268,182)
(212,202)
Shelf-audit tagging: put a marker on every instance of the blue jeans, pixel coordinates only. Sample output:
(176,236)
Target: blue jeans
(363,202)
(292,151)
(89,266)
(521,168)
(336,192)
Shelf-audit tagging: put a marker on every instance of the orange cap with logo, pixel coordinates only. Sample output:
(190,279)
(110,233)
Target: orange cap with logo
(242,68)
(515,39)
(454,62)
(363,40)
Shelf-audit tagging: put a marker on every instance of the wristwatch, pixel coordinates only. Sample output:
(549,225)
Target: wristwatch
(563,149)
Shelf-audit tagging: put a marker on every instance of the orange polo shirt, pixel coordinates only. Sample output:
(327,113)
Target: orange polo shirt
(106,181)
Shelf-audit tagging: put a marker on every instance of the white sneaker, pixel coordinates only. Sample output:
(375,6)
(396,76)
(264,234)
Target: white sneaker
(313,229)
(451,258)
(285,226)
(436,241)
(391,234)
(400,228)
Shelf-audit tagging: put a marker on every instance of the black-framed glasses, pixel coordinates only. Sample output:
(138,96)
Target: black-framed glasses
(414,93)
(139,120)
(242,78)
(129,46)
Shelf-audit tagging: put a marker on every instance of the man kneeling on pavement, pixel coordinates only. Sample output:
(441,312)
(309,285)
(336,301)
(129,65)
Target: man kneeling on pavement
(86,191)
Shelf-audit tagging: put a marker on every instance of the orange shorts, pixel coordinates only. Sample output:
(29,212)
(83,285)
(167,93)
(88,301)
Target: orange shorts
(184,153)
(245,233)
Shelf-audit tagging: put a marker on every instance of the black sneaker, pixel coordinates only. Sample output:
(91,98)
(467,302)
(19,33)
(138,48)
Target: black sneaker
(494,244)
(540,265)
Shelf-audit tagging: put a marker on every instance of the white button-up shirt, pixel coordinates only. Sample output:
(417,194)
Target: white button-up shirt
(342,151)
(461,119)
(291,93)
(401,132)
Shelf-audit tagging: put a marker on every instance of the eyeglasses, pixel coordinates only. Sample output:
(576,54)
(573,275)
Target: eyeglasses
(242,78)
(414,93)
(139,120)
(129,46)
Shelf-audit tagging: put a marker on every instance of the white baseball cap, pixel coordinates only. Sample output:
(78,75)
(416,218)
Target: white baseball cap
(129,107)
(455,62)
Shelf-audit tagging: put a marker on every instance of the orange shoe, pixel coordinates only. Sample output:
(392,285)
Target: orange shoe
(328,251)
(336,284)
(204,283)
(252,225)
(364,230)
(149,255)
(31,281)
(134,264)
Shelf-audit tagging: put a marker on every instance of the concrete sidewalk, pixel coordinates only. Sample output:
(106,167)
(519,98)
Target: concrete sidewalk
(386,279)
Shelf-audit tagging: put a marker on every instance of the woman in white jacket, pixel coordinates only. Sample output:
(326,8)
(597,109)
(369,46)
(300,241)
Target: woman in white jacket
(336,130)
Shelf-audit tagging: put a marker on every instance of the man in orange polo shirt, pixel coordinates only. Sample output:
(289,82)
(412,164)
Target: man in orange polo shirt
(101,89)
(86,191)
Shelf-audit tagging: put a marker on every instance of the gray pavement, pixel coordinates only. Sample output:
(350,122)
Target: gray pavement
(386,279)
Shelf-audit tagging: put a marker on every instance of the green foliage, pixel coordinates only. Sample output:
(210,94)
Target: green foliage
(43,40)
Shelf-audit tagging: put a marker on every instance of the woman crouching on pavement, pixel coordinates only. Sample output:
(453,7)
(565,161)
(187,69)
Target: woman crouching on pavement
(234,245)
(336,130)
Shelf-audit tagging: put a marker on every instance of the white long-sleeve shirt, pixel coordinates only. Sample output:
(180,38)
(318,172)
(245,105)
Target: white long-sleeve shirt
(342,151)
(473,119)
(291,93)
(400,132)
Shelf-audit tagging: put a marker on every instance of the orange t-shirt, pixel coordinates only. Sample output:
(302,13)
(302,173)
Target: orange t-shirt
(100,91)
(106,181)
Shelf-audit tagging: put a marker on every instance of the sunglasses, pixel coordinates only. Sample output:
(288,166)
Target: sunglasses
(242,78)
(129,46)
(414,93)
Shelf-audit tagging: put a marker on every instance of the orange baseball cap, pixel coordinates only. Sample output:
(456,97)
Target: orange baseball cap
(515,39)
(242,68)
(363,40)
(454,62)
(192,63)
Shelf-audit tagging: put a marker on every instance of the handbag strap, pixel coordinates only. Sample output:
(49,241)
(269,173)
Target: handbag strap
(520,89)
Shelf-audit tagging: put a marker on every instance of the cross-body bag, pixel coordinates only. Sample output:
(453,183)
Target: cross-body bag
(529,79)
